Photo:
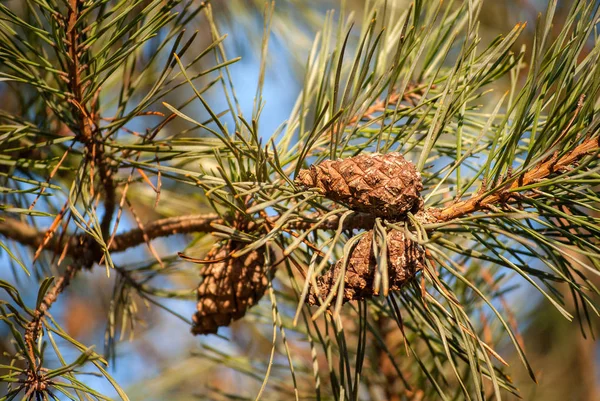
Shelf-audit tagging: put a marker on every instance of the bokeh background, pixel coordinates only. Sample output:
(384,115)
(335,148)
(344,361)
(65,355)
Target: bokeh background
(162,360)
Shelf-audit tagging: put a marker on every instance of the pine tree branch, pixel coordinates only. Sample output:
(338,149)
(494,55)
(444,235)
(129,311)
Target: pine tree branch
(84,255)
(20,232)
(202,223)
(88,119)
(165,227)
(110,204)
(412,94)
(88,251)
(507,194)
(33,329)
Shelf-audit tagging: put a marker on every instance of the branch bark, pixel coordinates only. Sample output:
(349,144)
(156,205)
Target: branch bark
(32,332)
(87,117)
(200,223)
(541,171)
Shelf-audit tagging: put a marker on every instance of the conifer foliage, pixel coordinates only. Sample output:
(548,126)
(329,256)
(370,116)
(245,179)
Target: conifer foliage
(372,241)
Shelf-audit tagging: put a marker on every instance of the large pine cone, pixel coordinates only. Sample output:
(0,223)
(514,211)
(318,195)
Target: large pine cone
(383,185)
(229,288)
(405,259)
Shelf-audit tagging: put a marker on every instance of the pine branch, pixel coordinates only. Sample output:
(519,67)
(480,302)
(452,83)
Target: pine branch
(21,232)
(203,223)
(33,329)
(338,94)
(88,120)
(412,95)
(88,133)
(165,227)
(508,190)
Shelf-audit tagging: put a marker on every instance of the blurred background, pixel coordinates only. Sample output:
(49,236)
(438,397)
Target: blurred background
(162,360)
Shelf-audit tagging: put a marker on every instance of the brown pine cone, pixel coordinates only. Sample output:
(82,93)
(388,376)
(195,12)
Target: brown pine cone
(405,259)
(383,185)
(230,287)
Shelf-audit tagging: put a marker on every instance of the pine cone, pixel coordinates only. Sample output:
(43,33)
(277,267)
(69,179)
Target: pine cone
(382,185)
(405,259)
(229,288)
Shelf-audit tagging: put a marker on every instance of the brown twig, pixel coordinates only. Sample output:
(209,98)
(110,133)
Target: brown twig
(539,172)
(88,119)
(109,194)
(201,223)
(21,232)
(30,236)
(412,94)
(164,228)
(33,329)
(86,251)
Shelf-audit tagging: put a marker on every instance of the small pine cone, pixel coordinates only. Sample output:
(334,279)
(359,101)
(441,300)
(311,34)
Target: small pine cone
(229,288)
(383,185)
(405,259)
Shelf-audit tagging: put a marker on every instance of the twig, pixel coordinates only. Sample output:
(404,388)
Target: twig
(33,329)
(164,228)
(539,172)
(88,128)
(140,226)
(411,94)
(109,194)
(21,232)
